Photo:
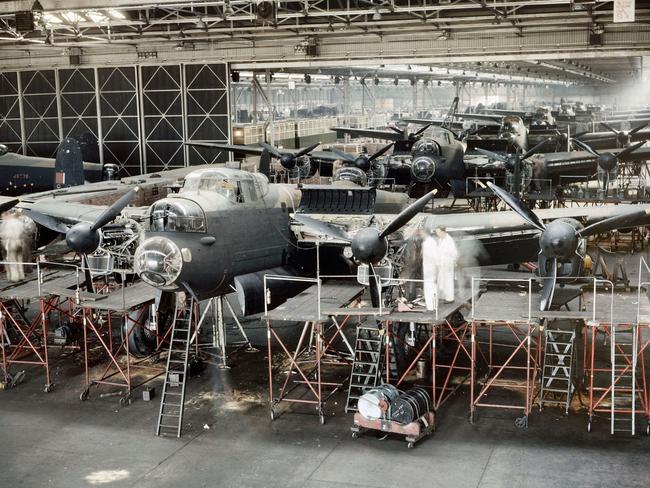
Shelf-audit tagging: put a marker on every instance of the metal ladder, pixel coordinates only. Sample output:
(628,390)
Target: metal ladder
(557,373)
(623,380)
(366,366)
(172,401)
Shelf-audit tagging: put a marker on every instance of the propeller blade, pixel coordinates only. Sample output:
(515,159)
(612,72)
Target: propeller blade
(534,150)
(396,130)
(265,163)
(638,128)
(580,134)
(272,150)
(349,158)
(609,128)
(548,290)
(492,155)
(307,150)
(628,219)
(8,204)
(380,152)
(407,214)
(87,274)
(421,130)
(375,289)
(323,228)
(585,147)
(48,222)
(114,210)
(518,206)
(629,150)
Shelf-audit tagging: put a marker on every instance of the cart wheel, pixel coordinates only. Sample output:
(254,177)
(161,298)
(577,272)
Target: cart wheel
(272,414)
(125,401)
(589,425)
(522,422)
(410,445)
(84,395)
(355,435)
(647,428)
(48,388)
(321,418)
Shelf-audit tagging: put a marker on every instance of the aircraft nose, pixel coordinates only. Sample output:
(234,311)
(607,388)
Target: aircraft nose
(158,261)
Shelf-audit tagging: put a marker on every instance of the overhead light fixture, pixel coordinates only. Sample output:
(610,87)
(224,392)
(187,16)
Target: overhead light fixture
(376,15)
(227,10)
(200,24)
(376,81)
(396,81)
(179,46)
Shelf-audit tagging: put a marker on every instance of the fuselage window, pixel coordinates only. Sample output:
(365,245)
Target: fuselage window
(176,216)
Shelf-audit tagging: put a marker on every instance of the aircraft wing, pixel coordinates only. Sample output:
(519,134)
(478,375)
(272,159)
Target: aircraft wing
(253,150)
(495,119)
(387,135)
(436,122)
(502,113)
(485,238)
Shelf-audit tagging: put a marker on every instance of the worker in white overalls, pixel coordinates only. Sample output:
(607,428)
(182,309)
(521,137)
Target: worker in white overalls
(29,233)
(12,233)
(430,270)
(447,256)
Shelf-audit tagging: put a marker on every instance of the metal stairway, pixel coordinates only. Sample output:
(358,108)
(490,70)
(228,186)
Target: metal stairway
(366,367)
(172,401)
(623,393)
(557,373)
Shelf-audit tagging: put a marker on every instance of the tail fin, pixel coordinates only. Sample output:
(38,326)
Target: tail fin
(69,166)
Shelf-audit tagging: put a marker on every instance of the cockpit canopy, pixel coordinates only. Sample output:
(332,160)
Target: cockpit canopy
(176,215)
(238,188)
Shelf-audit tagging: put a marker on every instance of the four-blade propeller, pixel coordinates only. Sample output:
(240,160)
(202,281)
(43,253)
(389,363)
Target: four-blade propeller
(624,138)
(288,160)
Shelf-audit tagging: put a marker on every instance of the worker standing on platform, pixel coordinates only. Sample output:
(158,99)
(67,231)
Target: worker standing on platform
(447,256)
(12,234)
(430,270)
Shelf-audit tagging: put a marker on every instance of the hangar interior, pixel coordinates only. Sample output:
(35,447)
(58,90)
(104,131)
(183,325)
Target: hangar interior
(277,243)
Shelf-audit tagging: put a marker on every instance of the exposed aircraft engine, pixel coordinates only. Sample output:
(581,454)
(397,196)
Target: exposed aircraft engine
(158,261)
(423,169)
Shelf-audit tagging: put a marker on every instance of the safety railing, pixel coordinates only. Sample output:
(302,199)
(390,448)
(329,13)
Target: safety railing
(42,267)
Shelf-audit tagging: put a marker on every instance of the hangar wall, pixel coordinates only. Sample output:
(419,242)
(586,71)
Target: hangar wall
(139,115)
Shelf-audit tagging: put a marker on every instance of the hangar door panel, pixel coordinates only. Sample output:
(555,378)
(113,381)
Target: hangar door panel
(40,109)
(162,109)
(118,97)
(79,110)
(10,131)
(206,100)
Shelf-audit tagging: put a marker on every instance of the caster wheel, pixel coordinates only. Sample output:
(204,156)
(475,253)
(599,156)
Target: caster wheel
(355,435)
(410,445)
(589,426)
(321,419)
(84,395)
(48,388)
(647,429)
(522,422)
(272,415)
(125,401)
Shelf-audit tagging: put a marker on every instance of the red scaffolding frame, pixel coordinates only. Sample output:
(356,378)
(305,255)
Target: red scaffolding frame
(527,343)
(599,395)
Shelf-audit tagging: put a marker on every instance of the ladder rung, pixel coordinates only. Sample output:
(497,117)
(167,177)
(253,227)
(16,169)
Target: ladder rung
(555,390)
(558,354)
(554,343)
(171,393)
(161,426)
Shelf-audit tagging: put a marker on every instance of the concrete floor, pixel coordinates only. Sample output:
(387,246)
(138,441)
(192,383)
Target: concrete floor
(54,440)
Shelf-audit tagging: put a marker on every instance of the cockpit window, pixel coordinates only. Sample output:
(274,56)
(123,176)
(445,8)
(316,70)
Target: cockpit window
(243,188)
(176,215)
